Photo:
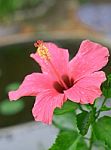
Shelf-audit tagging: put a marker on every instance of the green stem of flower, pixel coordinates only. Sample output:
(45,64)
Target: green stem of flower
(91,140)
(80,107)
(98,113)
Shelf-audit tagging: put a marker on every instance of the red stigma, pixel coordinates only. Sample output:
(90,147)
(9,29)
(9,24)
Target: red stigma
(38,43)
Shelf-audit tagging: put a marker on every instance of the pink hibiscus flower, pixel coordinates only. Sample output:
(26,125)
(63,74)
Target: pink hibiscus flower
(78,80)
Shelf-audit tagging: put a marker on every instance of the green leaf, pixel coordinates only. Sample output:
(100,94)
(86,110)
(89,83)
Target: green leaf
(109,77)
(84,120)
(87,107)
(65,121)
(106,92)
(105,108)
(67,107)
(106,87)
(99,145)
(102,130)
(69,140)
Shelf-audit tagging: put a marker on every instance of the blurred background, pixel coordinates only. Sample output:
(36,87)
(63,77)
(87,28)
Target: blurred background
(22,22)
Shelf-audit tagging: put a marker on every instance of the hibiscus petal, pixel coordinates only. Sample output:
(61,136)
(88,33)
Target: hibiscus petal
(32,84)
(91,57)
(45,104)
(58,57)
(87,89)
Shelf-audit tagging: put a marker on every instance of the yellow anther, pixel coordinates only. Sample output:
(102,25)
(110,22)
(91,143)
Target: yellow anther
(42,50)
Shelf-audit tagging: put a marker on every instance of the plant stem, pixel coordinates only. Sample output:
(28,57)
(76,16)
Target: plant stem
(98,113)
(80,107)
(91,140)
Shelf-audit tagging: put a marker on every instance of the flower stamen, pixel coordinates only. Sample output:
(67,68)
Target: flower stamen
(42,50)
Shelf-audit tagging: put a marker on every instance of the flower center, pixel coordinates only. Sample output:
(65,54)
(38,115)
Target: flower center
(60,88)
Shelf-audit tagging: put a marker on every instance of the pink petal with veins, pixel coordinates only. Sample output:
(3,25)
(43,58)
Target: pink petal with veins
(31,86)
(45,104)
(87,89)
(91,57)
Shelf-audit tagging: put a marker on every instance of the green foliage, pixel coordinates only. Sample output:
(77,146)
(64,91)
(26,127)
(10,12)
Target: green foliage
(100,145)
(69,140)
(106,92)
(87,107)
(67,107)
(9,6)
(97,144)
(105,108)
(84,120)
(65,117)
(106,87)
(65,121)
(102,130)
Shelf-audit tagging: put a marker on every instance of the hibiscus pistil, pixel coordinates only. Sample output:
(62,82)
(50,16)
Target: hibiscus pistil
(42,50)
